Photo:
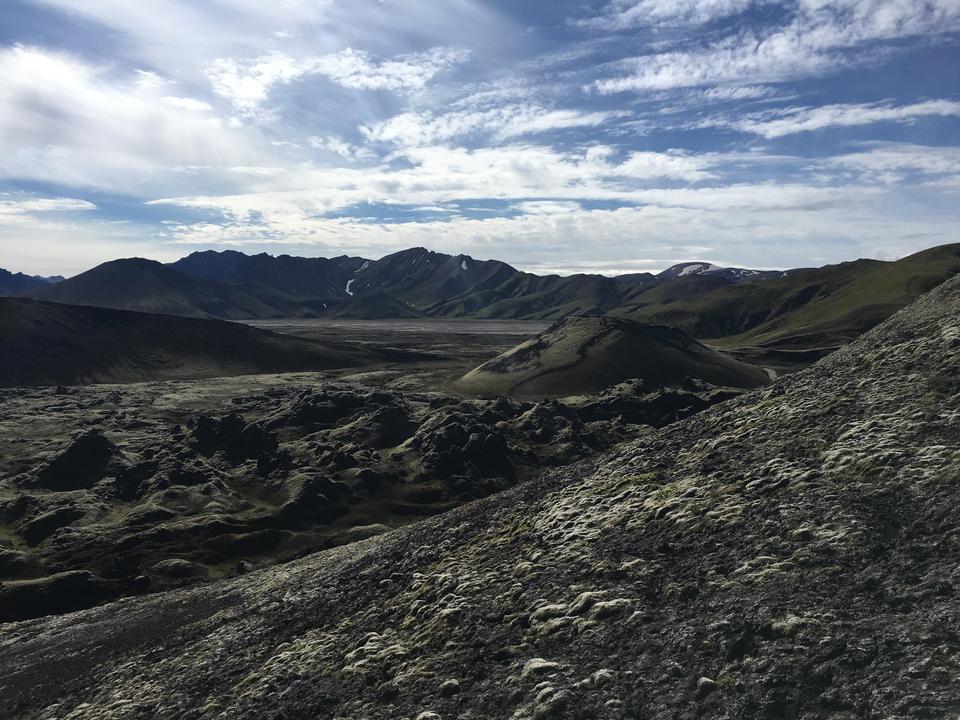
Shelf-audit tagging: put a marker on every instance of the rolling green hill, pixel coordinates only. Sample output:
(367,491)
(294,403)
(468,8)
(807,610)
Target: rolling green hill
(824,307)
(585,354)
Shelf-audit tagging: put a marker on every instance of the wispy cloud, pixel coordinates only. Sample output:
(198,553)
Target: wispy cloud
(792,120)
(895,162)
(818,40)
(629,14)
(39,213)
(247,83)
(43,205)
(70,122)
(501,123)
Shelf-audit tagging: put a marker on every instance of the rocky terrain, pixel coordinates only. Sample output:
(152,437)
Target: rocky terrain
(114,490)
(790,553)
(585,354)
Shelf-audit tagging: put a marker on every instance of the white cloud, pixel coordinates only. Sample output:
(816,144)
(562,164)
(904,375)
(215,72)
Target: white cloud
(502,123)
(38,213)
(789,121)
(72,123)
(894,162)
(673,164)
(247,83)
(726,93)
(357,70)
(182,36)
(628,14)
(338,146)
(43,205)
(436,175)
(187,103)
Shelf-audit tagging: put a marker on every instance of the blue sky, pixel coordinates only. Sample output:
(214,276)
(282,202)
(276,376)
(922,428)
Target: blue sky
(605,136)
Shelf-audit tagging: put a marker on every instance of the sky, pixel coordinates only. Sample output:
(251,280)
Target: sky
(557,135)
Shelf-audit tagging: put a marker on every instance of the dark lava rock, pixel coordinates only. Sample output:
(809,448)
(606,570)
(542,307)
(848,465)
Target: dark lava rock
(178,569)
(551,422)
(13,563)
(315,502)
(326,407)
(80,464)
(384,427)
(458,441)
(129,479)
(234,437)
(147,515)
(227,547)
(43,526)
(13,510)
(64,592)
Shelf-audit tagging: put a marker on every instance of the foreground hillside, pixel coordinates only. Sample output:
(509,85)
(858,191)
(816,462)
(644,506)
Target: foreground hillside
(791,553)
(49,344)
(585,354)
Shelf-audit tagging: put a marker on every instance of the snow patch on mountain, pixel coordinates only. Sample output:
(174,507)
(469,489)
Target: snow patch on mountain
(697,268)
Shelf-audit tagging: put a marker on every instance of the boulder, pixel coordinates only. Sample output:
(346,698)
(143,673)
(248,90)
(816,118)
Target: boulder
(81,464)
(178,569)
(43,526)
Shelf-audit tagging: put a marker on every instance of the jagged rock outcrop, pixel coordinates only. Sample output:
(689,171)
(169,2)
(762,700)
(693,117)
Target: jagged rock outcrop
(791,553)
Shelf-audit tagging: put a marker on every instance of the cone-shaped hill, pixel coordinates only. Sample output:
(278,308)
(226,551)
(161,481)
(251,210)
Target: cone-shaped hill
(585,354)
(48,344)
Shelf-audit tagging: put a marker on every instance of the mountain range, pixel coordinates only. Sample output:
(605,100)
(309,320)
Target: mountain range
(16,283)
(793,309)
(53,344)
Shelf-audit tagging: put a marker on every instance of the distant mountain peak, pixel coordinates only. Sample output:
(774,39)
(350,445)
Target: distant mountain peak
(734,274)
(17,283)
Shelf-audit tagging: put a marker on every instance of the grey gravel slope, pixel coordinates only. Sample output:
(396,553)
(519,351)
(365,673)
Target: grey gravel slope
(791,553)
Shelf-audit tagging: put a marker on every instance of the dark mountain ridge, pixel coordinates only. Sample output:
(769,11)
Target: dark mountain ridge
(148,286)
(296,277)
(18,283)
(52,344)
(796,309)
